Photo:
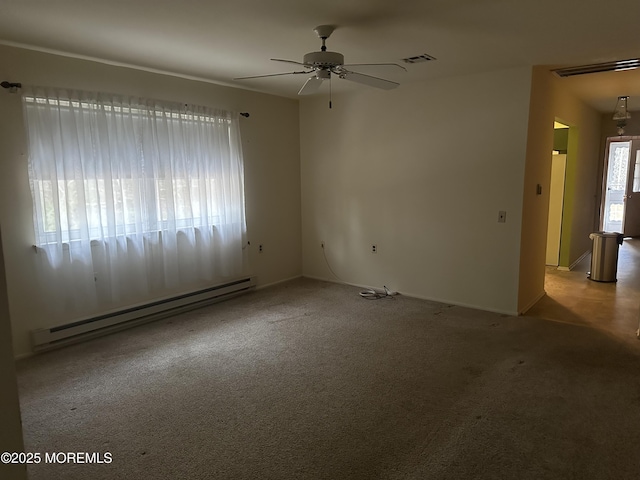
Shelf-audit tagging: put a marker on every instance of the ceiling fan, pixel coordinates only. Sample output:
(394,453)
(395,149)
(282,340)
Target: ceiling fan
(323,63)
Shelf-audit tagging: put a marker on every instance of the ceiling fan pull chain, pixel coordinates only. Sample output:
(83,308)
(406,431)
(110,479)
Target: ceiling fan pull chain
(329,93)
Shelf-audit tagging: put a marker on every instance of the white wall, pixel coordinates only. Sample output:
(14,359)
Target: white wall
(271,148)
(422,172)
(10,422)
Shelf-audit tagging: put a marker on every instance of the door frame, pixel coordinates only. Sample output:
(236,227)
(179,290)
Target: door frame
(629,193)
(556,208)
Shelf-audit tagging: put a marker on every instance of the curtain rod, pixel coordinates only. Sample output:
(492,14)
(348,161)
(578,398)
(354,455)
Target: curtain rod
(14,87)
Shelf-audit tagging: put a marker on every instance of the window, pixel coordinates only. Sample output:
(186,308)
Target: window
(144,180)
(117,179)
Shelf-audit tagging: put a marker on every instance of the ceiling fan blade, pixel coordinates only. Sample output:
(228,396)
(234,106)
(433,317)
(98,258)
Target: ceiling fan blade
(368,80)
(286,61)
(310,86)
(271,75)
(374,65)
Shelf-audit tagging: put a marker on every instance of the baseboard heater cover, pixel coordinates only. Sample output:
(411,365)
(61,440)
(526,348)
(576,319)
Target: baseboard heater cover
(47,338)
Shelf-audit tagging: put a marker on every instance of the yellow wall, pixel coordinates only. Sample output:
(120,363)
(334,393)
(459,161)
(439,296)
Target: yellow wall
(550,100)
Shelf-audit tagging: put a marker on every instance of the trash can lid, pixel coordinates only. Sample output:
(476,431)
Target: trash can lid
(605,234)
(618,236)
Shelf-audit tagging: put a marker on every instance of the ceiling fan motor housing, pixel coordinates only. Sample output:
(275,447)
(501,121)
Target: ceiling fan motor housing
(324,59)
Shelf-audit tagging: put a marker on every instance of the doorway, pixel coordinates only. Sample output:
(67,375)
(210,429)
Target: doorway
(556,192)
(620,208)
(612,307)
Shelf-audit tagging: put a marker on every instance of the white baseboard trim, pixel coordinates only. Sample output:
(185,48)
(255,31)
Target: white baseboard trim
(533,302)
(22,356)
(511,313)
(582,257)
(278,282)
(421,297)
(573,265)
(335,280)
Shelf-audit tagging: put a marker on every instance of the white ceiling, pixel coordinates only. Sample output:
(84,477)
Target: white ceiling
(217,41)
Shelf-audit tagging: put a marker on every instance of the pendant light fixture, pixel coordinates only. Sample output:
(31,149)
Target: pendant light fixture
(621,115)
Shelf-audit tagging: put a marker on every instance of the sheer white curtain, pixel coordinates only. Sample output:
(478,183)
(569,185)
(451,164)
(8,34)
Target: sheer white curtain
(132,197)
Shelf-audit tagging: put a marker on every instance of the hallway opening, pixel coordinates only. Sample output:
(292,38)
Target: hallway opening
(572,298)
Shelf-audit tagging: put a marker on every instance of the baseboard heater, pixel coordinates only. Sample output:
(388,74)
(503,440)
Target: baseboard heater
(48,338)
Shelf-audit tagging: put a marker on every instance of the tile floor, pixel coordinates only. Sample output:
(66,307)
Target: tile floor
(613,307)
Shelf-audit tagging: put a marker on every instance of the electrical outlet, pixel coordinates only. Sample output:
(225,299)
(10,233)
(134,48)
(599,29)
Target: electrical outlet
(260,248)
(374,248)
(502,216)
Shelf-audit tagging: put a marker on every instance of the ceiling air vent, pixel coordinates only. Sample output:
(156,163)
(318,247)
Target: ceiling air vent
(419,58)
(616,66)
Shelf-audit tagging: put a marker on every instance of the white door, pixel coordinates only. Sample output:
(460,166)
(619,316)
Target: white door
(616,185)
(556,201)
(631,226)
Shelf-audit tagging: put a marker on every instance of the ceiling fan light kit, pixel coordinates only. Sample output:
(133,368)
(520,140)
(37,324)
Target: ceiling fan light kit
(323,59)
(324,63)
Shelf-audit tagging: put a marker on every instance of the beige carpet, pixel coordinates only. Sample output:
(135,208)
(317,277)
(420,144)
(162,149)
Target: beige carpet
(307,380)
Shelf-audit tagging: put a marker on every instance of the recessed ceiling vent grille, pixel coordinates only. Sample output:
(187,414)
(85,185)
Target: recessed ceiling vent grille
(616,66)
(419,58)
